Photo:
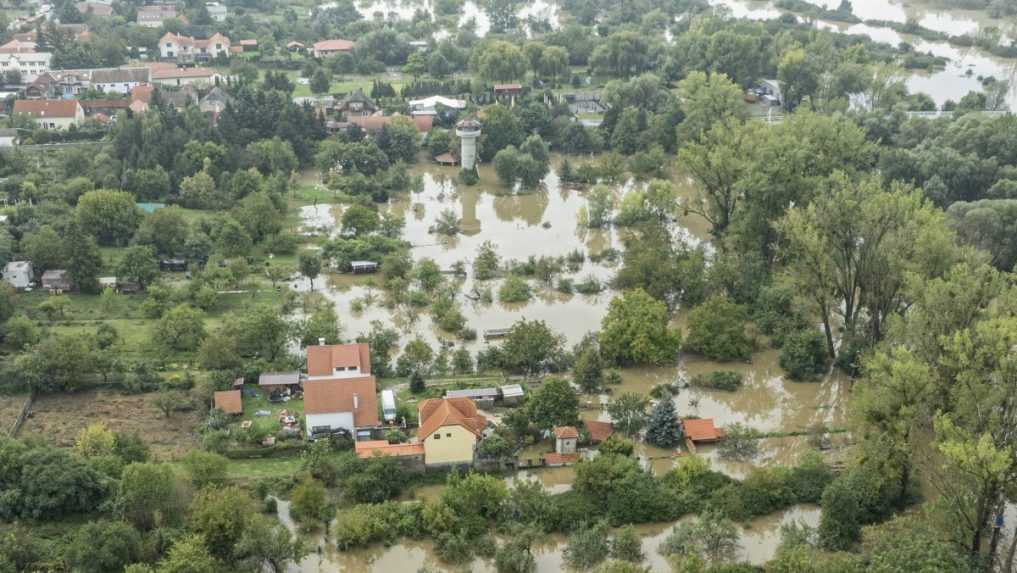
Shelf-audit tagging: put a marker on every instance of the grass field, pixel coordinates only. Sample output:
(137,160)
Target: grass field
(57,418)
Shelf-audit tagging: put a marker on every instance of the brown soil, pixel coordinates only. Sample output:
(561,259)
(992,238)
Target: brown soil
(58,419)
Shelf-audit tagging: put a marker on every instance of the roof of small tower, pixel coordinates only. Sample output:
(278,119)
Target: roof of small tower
(468,124)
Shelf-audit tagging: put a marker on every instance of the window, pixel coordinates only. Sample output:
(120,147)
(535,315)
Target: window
(448,434)
(437,436)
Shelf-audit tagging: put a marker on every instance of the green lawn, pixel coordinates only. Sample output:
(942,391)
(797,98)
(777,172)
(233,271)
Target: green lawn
(263,468)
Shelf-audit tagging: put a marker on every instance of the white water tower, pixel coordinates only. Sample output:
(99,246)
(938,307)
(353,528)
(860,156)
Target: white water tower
(468,131)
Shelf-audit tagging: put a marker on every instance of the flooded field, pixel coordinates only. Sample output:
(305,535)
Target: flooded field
(962,72)
(546,222)
(758,544)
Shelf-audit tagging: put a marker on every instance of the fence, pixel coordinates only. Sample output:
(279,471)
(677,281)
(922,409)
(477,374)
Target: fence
(26,410)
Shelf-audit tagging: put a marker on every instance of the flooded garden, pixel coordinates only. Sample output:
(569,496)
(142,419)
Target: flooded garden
(550,222)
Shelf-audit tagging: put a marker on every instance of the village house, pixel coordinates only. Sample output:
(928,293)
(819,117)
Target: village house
(18,274)
(217,11)
(326,48)
(120,80)
(356,104)
(337,361)
(51,114)
(140,97)
(21,57)
(214,103)
(449,429)
(170,75)
(566,439)
(189,49)
(154,15)
(343,405)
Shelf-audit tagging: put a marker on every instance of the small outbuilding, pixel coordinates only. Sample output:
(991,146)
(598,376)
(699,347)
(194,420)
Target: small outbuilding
(229,401)
(173,265)
(363,267)
(57,279)
(598,431)
(482,397)
(278,381)
(512,394)
(18,274)
(566,439)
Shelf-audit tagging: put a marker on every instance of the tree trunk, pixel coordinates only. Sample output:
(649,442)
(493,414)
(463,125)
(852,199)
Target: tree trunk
(830,347)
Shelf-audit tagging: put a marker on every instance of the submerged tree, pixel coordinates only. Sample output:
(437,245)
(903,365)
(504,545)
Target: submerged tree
(663,429)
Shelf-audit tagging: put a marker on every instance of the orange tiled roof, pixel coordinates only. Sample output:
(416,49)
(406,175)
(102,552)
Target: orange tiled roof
(322,360)
(566,432)
(599,431)
(437,413)
(701,430)
(47,107)
(229,401)
(333,45)
(331,396)
(369,448)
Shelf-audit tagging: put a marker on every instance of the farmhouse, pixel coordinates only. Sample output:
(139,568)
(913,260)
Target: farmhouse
(153,16)
(51,113)
(326,48)
(338,361)
(340,405)
(449,430)
(187,48)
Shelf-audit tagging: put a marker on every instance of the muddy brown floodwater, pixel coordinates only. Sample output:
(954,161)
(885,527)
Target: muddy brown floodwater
(541,223)
(758,543)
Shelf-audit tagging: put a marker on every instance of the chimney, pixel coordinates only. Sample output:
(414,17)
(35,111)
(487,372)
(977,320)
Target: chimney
(356,402)
(321,342)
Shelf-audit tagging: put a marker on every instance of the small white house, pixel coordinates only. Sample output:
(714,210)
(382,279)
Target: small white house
(18,274)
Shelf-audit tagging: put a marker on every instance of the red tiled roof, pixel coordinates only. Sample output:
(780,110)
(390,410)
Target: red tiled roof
(248,42)
(369,448)
(437,413)
(556,459)
(142,93)
(332,396)
(104,104)
(333,45)
(566,432)
(507,87)
(66,108)
(229,401)
(18,47)
(322,360)
(599,431)
(446,159)
(701,430)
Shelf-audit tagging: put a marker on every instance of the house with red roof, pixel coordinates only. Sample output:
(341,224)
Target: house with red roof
(51,113)
(450,429)
(326,48)
(340,394)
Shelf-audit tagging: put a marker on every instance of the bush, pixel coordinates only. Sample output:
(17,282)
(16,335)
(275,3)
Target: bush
(725,380)
(587,547)
(740,443)
(804,355)
(514,290)
(717,330)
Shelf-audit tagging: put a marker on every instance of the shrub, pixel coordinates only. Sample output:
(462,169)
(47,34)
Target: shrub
(588,546)
(726,380)
(804,355)
(739,443)
(514,289)
(717,330)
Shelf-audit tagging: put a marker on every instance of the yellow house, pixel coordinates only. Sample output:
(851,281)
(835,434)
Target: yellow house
(449,430)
